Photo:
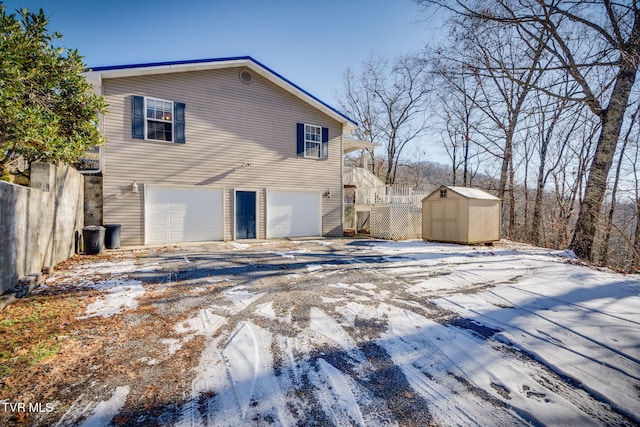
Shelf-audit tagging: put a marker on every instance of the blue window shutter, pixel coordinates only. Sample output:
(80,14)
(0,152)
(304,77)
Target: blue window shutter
(137,114)
(178,114)
(325,143)
(300,135)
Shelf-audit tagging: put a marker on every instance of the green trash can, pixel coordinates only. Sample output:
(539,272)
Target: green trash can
(112,236)
(93,237)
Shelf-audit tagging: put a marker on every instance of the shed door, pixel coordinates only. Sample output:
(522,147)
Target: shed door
(444,220)
(183,214)
(451,220)
(294,214)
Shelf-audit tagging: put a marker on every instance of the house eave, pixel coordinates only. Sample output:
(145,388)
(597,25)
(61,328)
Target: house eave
(98,74)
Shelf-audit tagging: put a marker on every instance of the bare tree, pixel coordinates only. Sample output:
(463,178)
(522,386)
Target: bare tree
(636,179)
(360,104)
(484,52)
(556,125)
(570,176)
(390,99)
(604,253)
(597,44)
(458,103)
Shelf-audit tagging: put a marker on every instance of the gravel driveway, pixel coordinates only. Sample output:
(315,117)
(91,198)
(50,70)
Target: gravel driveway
(313,332)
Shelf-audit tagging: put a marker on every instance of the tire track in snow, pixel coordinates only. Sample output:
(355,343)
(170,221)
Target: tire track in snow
(421,362)
(337,394)
(330,363)
(237,383)
(505,379)
(604,372)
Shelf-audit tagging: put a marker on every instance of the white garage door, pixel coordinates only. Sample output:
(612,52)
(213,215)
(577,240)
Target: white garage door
(293,214)
(183,214)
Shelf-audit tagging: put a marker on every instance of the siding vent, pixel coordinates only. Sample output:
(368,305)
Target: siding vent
(246,76)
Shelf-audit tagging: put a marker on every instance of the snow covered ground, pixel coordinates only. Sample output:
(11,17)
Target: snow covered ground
(340,332)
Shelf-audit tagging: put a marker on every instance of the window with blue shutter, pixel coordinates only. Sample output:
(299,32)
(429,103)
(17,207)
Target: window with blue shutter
(179,122)
(137,111)
(157,119)
(300,135)
(325,143)
(312,141)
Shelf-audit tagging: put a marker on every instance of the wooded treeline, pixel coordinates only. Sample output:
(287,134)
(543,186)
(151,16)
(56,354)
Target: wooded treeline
(533,100)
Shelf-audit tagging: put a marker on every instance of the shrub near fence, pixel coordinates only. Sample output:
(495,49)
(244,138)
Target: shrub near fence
(396,221)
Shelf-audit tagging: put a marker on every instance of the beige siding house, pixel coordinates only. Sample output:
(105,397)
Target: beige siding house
(461,215)
(219,149)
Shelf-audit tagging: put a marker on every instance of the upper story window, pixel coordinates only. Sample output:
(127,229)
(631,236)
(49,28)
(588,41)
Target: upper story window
(157,119)
(313,141)
(443,193)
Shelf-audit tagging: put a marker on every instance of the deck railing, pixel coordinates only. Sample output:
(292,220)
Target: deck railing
(360,177)
(397,194)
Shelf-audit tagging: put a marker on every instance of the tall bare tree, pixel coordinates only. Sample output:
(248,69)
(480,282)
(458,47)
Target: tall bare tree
(391,99)
(485,52)
(597,44)
(604,253)
(458,110)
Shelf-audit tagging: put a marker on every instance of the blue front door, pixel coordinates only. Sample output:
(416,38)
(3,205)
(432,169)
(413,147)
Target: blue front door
(245,214)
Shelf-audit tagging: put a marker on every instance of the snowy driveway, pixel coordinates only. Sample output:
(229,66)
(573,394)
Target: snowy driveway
(350,332)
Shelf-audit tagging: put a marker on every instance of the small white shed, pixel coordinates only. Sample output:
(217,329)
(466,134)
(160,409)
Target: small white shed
(461,215)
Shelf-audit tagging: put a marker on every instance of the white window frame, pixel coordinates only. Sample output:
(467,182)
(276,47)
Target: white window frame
(317,132)
(147,119)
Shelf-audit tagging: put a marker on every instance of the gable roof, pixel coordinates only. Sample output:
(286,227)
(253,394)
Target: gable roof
(96,74)
(467,192)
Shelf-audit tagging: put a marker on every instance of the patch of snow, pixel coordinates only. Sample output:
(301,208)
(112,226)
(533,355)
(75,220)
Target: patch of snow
(205,323)
(148,268)
(241,298)
(329,300)
(337,391)
(110,267)
(582,322)
(123,295)
(239,246)
(314,267)
(324,330)
(104,411)
(341,285)
(240,381)
(173,344)
(266,310)
(291,254)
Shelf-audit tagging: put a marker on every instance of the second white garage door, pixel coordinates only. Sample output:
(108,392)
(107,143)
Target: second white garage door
(183,214)
(294,214)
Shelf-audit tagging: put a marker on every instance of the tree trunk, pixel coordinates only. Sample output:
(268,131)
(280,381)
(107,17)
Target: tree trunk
(612,119)
(504,175)
(465,174)
(537,209)
(604,254)
(512,201)
(636,240)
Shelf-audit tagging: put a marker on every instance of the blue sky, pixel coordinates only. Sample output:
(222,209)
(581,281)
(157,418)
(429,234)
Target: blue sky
(309,42)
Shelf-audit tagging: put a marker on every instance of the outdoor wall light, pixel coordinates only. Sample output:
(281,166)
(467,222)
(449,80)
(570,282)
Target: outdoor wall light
(327,194)
(134,187)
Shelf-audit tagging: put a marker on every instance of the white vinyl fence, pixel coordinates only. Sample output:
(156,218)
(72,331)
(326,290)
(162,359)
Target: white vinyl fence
(396,221)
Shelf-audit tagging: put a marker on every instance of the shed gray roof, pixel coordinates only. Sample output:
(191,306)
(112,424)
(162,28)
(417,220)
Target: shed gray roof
(467,192)
(472,193)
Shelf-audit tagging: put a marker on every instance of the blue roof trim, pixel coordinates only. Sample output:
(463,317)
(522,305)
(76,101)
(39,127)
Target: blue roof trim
(233,58)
